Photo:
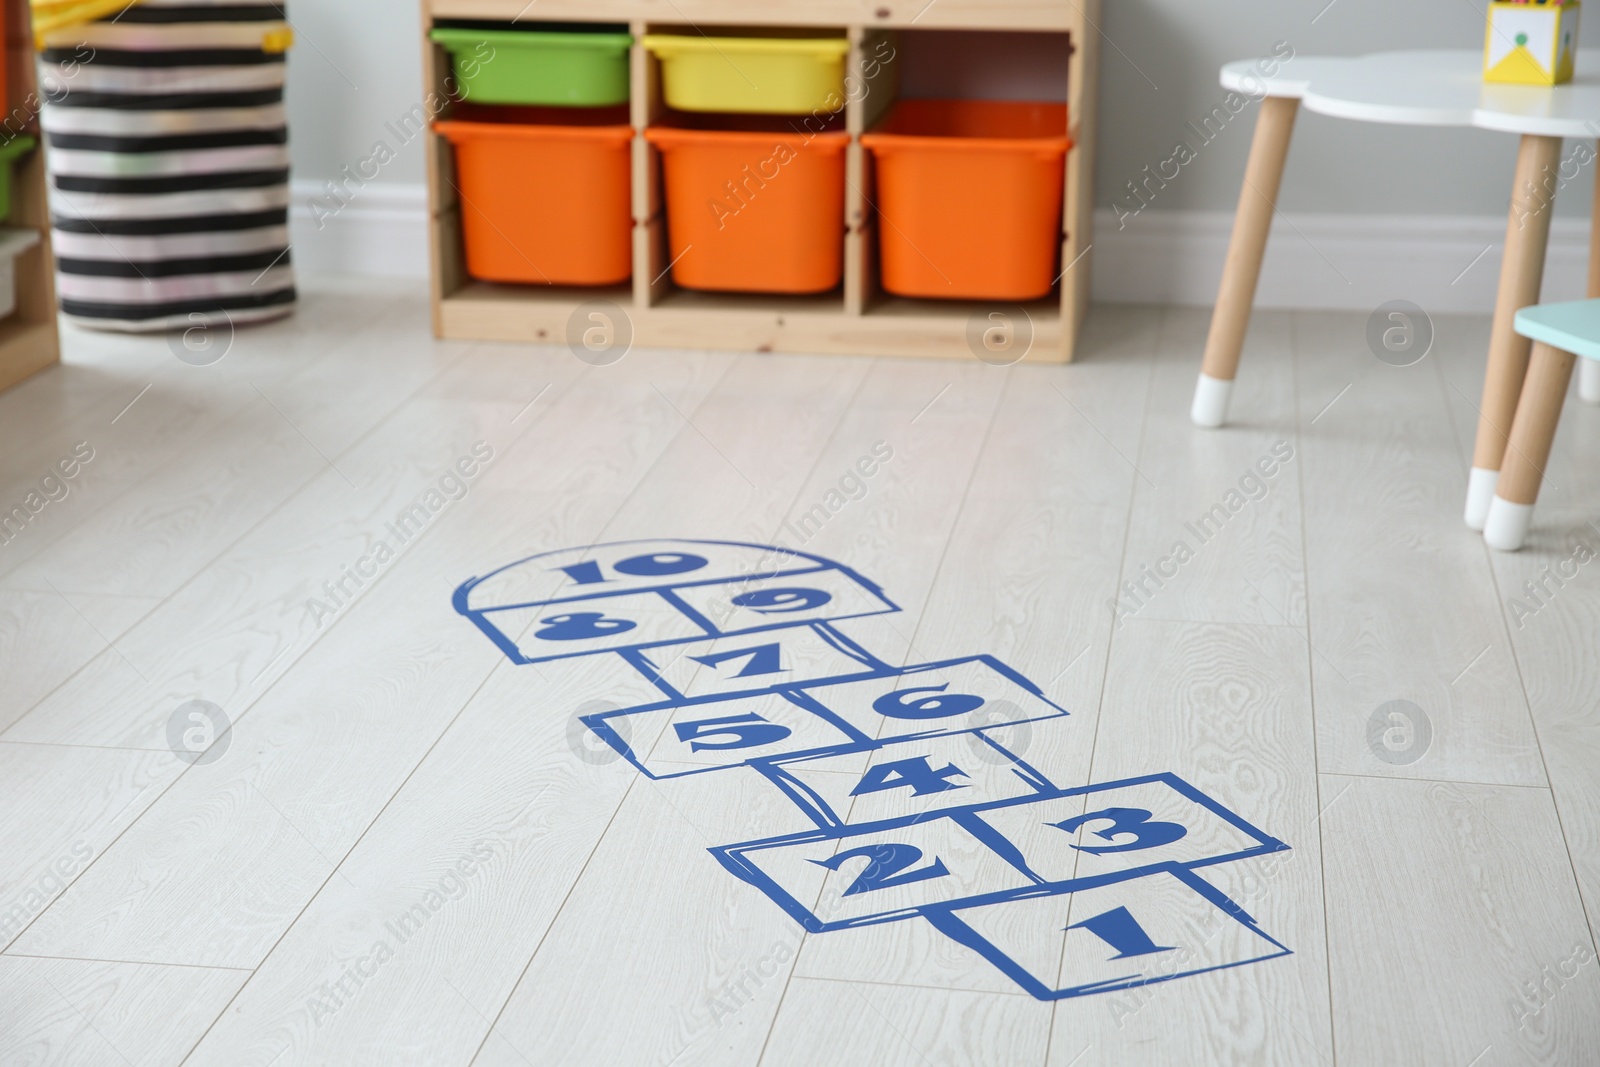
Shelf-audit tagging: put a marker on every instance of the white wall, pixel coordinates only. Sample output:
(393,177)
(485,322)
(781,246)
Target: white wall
(1376,212)
(357,67)
(1336,166)
(1400,206)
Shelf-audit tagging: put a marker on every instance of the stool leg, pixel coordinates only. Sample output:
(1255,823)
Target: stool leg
(1532,434)
(1589,381)
(1258,199)
(1521,274)
(1589,370)
(1594,237)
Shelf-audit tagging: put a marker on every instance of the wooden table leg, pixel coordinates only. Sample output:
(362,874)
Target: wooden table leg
(1258,199)
(1532,434)
(1521,275)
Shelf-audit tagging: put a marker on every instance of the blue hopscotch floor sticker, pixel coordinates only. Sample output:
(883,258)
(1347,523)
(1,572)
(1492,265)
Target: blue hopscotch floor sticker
(919,814)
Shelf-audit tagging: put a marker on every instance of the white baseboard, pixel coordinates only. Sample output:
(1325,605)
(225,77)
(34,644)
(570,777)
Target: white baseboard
(1355,262)
(382,231)
(1352,262)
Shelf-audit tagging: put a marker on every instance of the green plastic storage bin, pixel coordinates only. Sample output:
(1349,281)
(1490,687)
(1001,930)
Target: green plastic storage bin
(9,152)
(547,68)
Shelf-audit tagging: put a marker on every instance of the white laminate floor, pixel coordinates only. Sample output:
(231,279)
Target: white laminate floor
(1223,747)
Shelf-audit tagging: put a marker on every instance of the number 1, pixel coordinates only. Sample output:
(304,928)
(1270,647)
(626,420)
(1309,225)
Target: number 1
(1119,929)
(584,573)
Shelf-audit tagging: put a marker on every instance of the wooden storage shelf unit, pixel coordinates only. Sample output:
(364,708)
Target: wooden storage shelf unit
(856,319)
(28,337)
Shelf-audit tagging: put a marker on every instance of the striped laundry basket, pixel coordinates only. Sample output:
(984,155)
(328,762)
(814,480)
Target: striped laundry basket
(168,152)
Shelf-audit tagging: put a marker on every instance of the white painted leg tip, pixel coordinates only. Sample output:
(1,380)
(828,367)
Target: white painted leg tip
(1480,492)
(1507,525)
(1211,396)
(1589,381)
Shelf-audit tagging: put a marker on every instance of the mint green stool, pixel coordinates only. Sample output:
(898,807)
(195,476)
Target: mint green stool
(1560,333)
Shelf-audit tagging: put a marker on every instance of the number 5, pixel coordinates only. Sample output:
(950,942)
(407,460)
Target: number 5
(745,731)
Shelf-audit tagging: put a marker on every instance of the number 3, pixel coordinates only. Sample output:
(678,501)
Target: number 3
(1146,830)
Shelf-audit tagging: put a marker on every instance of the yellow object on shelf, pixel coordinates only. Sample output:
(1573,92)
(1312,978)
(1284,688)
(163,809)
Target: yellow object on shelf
(1531,44)
(751,75)
(63,14)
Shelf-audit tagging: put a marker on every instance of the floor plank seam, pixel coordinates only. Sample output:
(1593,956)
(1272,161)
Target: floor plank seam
(221,419)
(1311,684)
(1111,636)
(1536,786)
(1502,603)
(1014,994)
(800,488)
(336,868)
(130,963)
(911,644)
(236,719)
(4,741)
(555,916)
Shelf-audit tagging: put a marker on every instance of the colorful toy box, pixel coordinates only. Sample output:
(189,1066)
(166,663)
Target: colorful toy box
(1531,43)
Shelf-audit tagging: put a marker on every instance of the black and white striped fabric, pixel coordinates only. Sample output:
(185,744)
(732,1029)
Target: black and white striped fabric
(168,152)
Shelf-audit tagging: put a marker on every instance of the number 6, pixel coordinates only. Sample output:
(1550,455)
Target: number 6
(901,704)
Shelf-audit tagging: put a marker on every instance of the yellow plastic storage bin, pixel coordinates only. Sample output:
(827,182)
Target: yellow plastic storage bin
(751,75)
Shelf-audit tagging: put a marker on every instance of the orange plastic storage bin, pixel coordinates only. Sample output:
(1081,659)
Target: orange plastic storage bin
(753,205)
(545,193)
(970,196)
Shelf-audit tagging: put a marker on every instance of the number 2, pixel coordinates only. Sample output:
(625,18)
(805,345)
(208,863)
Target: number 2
(885,863)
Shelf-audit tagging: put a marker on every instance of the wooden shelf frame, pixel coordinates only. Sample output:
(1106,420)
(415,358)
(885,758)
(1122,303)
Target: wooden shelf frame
(29,341)
(857,319)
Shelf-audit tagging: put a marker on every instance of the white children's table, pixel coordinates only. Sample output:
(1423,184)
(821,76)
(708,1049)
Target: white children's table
(1430,88)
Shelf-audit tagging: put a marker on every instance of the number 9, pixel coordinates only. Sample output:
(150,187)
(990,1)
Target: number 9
(768,601)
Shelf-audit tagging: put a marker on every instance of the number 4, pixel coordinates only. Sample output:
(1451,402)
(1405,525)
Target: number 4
(917,773)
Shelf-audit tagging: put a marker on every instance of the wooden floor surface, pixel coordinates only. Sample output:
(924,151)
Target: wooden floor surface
(1439,898)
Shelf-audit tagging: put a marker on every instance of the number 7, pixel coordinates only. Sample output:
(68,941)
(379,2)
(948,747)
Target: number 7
(764,659)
